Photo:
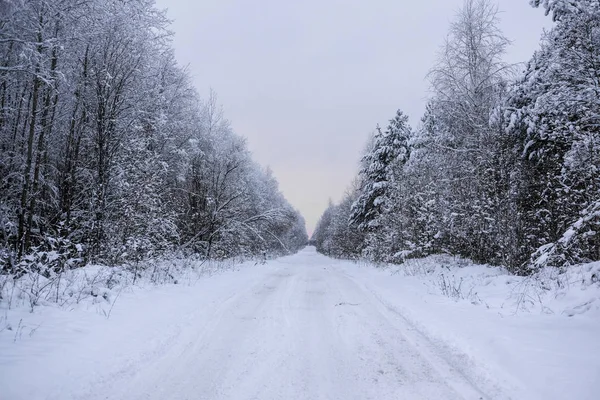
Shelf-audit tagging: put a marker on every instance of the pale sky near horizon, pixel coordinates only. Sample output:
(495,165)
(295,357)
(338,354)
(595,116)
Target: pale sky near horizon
(307,81)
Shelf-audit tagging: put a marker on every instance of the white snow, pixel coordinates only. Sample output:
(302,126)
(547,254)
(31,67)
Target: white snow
(309,327)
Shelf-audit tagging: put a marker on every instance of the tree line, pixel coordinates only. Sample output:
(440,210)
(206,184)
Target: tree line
(108,154)
(504,166)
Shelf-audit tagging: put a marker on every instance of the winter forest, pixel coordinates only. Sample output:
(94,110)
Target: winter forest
(147,251)
(108,155)
(504,166)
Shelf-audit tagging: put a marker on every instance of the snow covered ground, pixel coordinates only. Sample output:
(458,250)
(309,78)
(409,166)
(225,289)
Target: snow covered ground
(309,327)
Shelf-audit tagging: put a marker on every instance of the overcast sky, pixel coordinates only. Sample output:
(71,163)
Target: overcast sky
(306,81)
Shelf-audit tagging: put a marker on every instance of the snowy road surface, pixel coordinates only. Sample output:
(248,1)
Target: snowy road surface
(302,327)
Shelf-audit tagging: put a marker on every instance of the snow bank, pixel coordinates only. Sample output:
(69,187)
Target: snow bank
(93,287)
(537,334)
(58,350)
(568,292)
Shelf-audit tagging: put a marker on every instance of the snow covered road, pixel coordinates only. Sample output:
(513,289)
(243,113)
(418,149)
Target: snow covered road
(302,327)
(303,331)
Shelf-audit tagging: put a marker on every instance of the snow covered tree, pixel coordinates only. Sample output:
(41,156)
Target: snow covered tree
(468,82)
(424,206)
(554,113)
(334,235)
(322,234)
(376,175)
(390,150)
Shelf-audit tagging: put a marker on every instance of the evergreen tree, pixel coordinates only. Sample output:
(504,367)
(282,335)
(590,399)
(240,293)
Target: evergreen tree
(376,175)
(554,114)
